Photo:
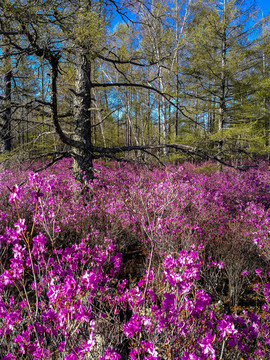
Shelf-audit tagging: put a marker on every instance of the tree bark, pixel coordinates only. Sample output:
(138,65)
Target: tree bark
(82,157)
(5,145)
(222,100)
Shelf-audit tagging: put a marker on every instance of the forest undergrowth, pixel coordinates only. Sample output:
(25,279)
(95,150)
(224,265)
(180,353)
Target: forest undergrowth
(152,264)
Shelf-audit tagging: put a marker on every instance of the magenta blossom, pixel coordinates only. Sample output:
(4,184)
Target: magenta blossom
(110,355)
(207,345)
(132,326)
(15,194)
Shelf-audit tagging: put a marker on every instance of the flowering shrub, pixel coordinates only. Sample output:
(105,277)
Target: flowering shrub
(163,264)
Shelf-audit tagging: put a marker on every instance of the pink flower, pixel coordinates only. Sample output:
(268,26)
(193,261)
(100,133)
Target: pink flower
(38,245)
(168,304)
(245,272)
(20,226)
(71,357)
(147,322)
(221,265)
(256,287)
(149,347)
(90,280)
(61,346)
(226,328)
(15,194)
(53,292)
(258,272)
(18,251)
(9,357)
(207,347)
(132,326)
(89,344)
(188,356)
(110,355)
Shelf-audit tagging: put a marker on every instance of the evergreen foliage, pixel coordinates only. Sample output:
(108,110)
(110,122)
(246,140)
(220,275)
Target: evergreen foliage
(193,73)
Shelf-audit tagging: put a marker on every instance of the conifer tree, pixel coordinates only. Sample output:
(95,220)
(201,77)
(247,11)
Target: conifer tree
(220,41)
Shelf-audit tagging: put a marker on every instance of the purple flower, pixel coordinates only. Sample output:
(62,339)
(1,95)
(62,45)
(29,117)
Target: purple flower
(207,347)
(20,341)
(88,345)
(188,356)
(6,278)
(132,326)
(53,292)
(202,300)
(233,341)
(226,328)
(15,194)
(221,265)
(70,286)
(186,287)
(3,216)
(71,357)
(245,272)
(18,251)
(38,245)
(149,347)
(40,328)
(90,280)
(41,354)
(61,346)
(168,304)
(147,322)
(258,272)
(9,357)
(133,353)
(110,354)
(256,287)
(20,226)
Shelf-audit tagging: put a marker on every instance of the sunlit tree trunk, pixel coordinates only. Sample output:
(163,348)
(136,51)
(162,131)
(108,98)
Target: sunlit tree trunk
(222,100)
(5,138)
(82,156)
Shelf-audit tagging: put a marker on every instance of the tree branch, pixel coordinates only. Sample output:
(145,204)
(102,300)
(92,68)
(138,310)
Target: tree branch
(53,161)
(190,150)
(148,87)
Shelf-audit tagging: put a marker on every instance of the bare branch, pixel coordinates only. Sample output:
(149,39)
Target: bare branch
(189,150)
(148,87)
(105,117)
(119,61)
(53,161)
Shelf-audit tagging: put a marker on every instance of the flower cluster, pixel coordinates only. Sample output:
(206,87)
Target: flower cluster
(160,264)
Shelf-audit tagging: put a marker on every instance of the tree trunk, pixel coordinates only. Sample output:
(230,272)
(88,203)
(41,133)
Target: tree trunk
(6,117)
(82,156)
(222,100)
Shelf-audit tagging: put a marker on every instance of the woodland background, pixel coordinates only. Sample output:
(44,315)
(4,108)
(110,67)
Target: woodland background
(91,77)
(132,261)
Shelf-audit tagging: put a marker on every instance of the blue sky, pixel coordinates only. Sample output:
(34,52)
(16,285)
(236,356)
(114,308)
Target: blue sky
(264,5)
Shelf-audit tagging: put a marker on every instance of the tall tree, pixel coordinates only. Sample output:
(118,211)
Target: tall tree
(220,41)
(56,31)
(5,127)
